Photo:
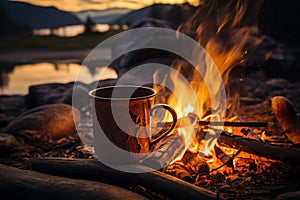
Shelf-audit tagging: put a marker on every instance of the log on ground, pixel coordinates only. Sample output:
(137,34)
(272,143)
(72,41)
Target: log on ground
(158,182)
(25,184)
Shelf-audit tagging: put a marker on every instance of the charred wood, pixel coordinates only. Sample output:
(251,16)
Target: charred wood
(290,155)
(223,157)
(285,154)
(155,181)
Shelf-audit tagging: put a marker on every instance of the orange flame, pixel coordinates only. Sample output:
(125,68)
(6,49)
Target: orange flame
(227,30)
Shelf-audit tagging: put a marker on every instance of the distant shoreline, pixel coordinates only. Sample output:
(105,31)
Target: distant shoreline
(24,49)
(25,56)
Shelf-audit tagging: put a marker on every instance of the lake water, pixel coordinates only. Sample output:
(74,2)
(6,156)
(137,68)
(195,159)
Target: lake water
(17,79)
(74,30)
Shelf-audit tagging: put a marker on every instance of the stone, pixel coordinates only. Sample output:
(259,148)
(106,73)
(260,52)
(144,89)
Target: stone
(142,56)
(46,94)
(287,117)
(8,144)
(62,93)
(80,93)
(50,121)
(11,106)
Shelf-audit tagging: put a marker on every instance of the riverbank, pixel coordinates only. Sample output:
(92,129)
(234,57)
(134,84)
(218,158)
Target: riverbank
(26,41)
(24,56)
(22,49)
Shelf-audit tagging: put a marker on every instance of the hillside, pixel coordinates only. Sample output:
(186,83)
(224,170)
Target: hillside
(108,16)
(7,24)
(37,16)
(175,14)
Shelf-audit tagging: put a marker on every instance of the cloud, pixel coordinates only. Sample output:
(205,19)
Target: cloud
(77,5)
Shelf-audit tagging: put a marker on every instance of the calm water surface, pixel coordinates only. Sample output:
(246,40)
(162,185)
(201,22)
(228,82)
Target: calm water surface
(17,79)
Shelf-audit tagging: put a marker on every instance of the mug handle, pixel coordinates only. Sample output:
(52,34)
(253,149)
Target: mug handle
(174,116)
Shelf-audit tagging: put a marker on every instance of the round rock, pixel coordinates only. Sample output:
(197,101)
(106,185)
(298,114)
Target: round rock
(8,143)
(53,121)
(80,93)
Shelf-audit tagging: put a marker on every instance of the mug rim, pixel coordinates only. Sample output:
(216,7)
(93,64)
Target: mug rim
(93,92)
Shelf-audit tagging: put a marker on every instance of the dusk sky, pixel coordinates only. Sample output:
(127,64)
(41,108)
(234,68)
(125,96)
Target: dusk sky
(77,5)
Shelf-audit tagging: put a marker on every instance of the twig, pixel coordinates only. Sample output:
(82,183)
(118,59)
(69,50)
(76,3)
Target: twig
(192,118)
(228,162)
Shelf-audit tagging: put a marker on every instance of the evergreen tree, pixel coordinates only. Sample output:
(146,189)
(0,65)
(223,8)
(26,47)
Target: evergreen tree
(89,25)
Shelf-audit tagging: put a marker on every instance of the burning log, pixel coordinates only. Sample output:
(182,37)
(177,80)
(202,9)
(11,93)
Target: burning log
(225,159)
(287,118)
(223,156)
(166,151)
(276,152)
(179,170)
(190,164)
(258,147)
(25,184)
(195,163)
(156,181)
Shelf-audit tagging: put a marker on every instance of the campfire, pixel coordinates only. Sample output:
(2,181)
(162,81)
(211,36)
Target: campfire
(242,146)
(243,154)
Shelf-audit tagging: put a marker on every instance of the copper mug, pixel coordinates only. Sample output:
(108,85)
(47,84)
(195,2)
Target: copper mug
(123,114)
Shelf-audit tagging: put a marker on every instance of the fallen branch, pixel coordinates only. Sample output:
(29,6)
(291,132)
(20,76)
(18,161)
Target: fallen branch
(155,181)
(276,152)
(25,184)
